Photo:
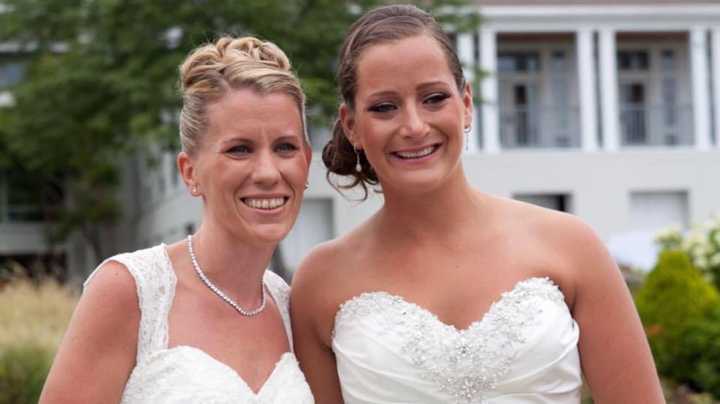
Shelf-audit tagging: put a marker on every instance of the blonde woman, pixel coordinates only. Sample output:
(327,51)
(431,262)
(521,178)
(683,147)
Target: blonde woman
(202,320)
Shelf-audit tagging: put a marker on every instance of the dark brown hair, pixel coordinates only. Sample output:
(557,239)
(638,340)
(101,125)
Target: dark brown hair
(378,26)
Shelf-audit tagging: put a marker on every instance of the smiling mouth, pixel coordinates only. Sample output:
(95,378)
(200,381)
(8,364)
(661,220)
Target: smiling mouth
(265,203)
(417,154)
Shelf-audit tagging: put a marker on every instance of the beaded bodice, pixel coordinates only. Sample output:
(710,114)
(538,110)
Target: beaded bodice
(523,350)
(185,374)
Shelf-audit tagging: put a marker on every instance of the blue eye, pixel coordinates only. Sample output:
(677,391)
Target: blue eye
(286,147)
(382,107)
(239,149)
(437,98)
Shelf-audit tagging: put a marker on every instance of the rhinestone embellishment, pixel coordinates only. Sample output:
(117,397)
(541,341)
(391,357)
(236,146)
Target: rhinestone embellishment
(466,363)
(220,293)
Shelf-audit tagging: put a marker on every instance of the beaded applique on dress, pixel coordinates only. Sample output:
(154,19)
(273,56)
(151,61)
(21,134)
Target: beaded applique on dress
(461,366)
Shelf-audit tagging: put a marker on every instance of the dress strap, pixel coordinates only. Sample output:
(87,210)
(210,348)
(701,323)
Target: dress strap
(155,282)
(280,292)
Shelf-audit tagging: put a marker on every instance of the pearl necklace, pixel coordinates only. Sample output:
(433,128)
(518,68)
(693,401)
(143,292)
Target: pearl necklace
(219,292)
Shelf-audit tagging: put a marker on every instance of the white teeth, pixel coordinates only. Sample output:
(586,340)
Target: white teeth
(264,203)
(416,154)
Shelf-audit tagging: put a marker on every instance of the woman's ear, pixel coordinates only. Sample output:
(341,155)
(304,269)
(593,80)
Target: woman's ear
(347,120)
(186,168)
(467,98)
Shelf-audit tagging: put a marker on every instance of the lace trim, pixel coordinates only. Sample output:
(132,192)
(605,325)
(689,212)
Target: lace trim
(155,284)
(463,363)
(280,292)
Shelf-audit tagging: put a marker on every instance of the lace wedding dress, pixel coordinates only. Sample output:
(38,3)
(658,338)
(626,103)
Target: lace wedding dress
(524,350)
(184,374)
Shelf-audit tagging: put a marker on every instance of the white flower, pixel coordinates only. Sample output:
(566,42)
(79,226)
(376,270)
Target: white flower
(715,259)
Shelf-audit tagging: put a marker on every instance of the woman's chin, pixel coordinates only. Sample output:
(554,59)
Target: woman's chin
(270,233)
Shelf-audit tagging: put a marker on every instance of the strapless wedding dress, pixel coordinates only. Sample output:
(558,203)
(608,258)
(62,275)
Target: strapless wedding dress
(184,374)
(524,350)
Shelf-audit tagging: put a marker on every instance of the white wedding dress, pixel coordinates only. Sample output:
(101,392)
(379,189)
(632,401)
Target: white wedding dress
(185,374)
(524,350)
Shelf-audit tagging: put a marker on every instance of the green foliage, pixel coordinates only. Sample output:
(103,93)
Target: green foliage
(102,76)
(699,354)
(22,374)
(701,243)
(678,307)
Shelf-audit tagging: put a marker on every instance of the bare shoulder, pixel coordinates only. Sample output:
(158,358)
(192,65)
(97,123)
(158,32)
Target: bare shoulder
(113,284)
(100,343)
(594,291)
(325,267)
(108,310)
(549,222)
(569,247)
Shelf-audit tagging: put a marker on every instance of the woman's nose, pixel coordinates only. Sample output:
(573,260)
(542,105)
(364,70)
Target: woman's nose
(414,124)
(266,170)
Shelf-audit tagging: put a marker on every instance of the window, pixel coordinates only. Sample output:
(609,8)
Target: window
(560,202)
(19,200)
(652,211)
(11,73)
(633,115)
(669,96)
(633,60)
(519,62)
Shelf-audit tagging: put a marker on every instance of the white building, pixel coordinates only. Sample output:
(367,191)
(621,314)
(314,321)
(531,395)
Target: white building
(609,110)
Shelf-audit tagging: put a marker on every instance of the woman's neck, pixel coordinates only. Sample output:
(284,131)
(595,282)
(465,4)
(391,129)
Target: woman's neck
(437,213)
(235,266)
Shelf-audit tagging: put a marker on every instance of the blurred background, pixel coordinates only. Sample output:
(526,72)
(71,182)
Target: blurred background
(607,109)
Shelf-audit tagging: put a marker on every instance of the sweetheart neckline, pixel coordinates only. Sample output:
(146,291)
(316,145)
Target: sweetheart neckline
(275,299)
(460,331)
(280,362)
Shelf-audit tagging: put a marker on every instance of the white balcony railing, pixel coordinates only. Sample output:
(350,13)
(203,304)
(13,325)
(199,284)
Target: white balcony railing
(539,127)
(656,125)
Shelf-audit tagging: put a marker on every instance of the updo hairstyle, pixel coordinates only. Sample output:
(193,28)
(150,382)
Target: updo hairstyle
(378,26)
(212,70)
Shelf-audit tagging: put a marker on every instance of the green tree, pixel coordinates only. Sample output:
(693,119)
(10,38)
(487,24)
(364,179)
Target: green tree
(101,81)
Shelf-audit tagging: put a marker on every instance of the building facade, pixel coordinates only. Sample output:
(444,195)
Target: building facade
(609,110)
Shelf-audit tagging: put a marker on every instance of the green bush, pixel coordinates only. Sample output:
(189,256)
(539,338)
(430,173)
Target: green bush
(675,300)
(22,374)
(700,354)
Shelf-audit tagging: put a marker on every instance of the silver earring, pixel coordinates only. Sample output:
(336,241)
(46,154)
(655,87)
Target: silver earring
(358,166)
(467,137)
(194,190)
(307,184)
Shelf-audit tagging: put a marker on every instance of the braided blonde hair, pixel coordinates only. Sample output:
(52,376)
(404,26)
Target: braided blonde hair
(212,70)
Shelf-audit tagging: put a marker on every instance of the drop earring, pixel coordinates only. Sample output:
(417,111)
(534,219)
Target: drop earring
(358,166)
(467,138)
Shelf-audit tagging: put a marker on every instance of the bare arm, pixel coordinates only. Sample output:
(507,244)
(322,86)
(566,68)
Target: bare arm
(312,321)
(99,348)
(614,351)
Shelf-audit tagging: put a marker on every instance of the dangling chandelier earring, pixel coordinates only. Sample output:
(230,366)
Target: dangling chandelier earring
(358,166)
